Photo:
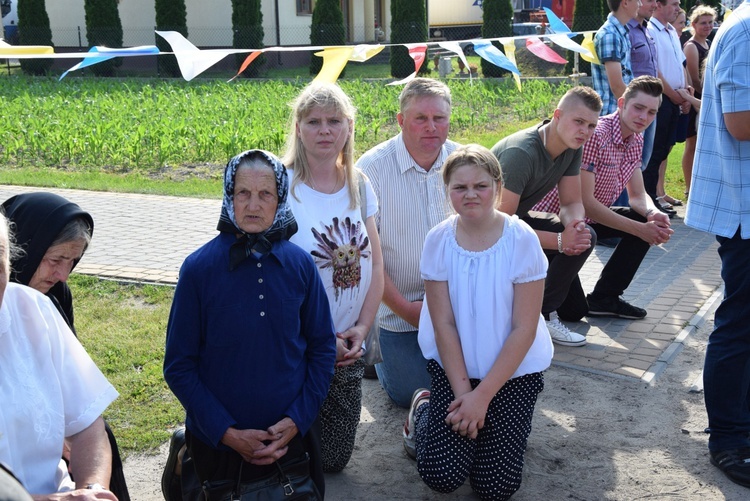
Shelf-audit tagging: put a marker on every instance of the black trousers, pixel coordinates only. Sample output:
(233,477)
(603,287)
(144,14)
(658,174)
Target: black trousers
(625,260)
(664,138)
(562,288)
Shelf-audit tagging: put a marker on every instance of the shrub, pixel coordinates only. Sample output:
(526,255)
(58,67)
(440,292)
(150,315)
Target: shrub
(104,28)
(408,25)
(497,21)
(247,25)
(327,28)
(34,29)
(171,15)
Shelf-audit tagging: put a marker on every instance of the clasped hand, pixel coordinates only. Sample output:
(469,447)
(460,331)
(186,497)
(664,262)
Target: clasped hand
(349,345)
(576,238)
(657,229)
(466,414)
(262,447)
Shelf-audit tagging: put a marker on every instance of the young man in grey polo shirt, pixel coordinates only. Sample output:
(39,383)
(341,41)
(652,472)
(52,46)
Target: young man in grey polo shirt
(534,161)
(405,172)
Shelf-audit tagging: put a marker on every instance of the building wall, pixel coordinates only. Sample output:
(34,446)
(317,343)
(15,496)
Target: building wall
(210,22)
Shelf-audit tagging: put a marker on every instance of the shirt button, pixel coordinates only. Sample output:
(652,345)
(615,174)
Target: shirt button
(259,265)
(260,297)
(260,280)
(262,313)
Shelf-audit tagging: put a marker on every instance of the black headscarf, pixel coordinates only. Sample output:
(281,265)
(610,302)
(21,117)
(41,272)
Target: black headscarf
(38,219)
(283,226)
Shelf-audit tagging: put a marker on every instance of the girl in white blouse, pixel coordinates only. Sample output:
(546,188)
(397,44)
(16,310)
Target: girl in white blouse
(482,331)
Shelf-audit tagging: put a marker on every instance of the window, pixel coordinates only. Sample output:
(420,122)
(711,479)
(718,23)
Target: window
(304,7)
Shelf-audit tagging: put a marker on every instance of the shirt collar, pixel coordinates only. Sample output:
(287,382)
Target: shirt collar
(617,24)
(616,131)
(657,24)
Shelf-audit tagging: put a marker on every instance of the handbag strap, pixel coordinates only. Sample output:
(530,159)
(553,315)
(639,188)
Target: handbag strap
(283,479)
(285,482)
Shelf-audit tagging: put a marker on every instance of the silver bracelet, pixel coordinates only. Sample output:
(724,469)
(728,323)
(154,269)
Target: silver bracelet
(559,243)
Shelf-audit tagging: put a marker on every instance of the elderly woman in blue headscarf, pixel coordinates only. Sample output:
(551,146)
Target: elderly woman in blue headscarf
(250,342)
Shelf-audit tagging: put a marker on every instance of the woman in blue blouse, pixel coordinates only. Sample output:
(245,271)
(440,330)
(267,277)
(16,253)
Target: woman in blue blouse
(250,342)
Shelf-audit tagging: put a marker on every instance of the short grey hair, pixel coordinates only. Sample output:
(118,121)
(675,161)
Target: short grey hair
(423,87)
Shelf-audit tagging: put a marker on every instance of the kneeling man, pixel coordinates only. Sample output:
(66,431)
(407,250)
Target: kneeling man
(611,161)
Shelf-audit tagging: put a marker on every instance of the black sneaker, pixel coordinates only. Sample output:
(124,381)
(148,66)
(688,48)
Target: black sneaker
(735,463)
(614,306)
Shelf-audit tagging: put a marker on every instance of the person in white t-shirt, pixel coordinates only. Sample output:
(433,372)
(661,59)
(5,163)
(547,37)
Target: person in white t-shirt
(335,205)
(482,331)
(51,393)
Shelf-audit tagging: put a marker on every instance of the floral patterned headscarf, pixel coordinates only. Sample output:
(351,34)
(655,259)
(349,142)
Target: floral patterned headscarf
(283,226)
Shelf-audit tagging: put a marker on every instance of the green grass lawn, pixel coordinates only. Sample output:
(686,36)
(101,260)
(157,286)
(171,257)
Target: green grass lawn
(123,329)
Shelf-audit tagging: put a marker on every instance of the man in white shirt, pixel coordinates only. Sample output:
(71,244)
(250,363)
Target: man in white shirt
(673,75)
(405,172)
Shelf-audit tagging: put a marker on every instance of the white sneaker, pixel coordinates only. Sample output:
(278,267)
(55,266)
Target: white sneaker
(420,396)
(561,334)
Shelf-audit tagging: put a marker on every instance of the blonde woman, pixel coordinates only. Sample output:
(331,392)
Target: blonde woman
(696,50)
(334,205)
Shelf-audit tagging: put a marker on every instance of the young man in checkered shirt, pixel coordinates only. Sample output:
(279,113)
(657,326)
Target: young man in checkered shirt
(611,161)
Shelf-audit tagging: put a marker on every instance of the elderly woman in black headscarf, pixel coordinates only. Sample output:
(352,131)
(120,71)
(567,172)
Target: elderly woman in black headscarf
(53,233)
(250,342)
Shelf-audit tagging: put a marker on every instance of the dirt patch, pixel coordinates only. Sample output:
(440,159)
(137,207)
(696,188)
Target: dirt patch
(594,438)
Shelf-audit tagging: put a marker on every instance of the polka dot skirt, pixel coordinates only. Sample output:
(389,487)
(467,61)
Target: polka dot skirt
(494,461)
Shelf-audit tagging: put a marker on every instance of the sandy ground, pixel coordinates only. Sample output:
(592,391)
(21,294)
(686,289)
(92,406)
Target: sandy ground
(594,438)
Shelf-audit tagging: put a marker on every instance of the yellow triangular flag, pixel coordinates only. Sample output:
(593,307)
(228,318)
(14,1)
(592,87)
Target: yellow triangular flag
(588,43)
(334,60)
(510,53)
(364,52)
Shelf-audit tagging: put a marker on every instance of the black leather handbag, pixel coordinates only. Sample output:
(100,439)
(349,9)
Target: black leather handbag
(290,482)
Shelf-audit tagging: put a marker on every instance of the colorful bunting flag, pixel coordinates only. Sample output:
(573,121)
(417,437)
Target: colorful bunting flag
(334,60)
(510,53)
(588,43)
(540,49)
(418,52)
(492,54)
(98,54)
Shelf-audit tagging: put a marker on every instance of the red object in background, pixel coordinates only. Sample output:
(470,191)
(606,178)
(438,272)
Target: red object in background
(564,10)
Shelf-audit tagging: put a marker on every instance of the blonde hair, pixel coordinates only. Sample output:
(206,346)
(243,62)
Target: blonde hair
(327,96)
(698,12)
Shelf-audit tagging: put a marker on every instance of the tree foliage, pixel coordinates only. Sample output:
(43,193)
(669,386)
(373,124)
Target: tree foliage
(34,29)
(327,29)
(171,15)
(103,28)
(587,15)
(497,21)
(408,25)
(247,25)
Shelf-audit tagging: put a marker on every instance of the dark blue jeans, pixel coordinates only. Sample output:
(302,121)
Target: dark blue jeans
(726,375)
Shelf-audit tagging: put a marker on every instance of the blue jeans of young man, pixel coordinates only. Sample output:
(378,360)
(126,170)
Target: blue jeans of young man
(403,368)
(726,375)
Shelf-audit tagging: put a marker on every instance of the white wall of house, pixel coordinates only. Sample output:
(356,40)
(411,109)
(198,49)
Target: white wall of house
(210,22)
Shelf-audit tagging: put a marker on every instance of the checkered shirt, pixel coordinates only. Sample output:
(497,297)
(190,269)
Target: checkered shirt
(612,43)
(610,158)
(719,200)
